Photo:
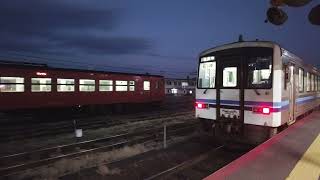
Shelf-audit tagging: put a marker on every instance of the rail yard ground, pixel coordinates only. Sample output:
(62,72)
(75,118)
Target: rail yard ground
(129,146)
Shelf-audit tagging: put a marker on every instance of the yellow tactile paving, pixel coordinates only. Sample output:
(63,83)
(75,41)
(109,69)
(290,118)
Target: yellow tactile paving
(308,167)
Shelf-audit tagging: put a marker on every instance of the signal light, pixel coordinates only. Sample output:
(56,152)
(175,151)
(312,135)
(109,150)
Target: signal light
(201,105)
(262,110)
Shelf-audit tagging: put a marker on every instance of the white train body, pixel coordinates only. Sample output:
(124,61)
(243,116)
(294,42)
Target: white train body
(250,89)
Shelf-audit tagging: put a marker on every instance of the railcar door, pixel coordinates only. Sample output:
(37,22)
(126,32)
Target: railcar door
(292,93)
(230,94)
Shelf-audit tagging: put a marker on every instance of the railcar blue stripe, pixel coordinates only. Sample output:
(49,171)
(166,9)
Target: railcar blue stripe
(277,106)
(305,99)
(248,103)
(210,101)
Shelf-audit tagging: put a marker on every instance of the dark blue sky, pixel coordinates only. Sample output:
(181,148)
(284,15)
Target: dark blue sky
(143,35)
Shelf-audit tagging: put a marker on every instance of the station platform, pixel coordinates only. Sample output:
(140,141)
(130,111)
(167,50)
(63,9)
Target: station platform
(292,154)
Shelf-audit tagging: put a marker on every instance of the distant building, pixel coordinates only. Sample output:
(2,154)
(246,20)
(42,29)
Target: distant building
(180,87)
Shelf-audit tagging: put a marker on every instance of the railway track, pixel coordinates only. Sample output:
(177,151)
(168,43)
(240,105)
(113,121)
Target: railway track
(21,132)
(10,164)
(33,117)
(166,173)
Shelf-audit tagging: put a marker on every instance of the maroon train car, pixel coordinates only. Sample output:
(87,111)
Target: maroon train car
(29,86)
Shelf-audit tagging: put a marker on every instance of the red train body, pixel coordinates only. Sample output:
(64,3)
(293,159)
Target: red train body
(21,87)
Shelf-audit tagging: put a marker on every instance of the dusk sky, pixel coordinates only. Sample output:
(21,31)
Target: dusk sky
(143,35)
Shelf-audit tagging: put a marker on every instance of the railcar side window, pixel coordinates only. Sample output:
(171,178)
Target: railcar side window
(286,76)
(65,85)
(312,82)
(105,85)
(121,85)
(308,82)
(259,72)
(207,75)
(11,84)
(41,85)
(315,82)
(301,82)
(230,77)
(318,83)
(131,85)
(87,85)
(146,85)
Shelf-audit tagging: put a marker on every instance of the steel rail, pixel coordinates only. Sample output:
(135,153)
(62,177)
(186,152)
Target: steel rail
(184,164)
(68,127)
(5,171)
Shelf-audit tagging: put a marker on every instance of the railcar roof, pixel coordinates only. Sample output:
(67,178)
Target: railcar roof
(46,67)
(239,45)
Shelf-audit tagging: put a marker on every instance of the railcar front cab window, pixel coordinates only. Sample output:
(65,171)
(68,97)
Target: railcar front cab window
(207,73)
(259,72)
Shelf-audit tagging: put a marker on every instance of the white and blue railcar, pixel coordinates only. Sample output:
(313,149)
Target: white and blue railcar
(249,90)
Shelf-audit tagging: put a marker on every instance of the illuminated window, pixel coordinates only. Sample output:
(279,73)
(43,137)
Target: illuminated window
(11,84)
(131,86)
(312,82)
(207,75)
(184,84)
(121,85)
(301,81)
(174,91)
(259,72)
(230,77)
(315,82)
(41,84)
(146,85)
(318,83)
(308,81)
(87,85)
(105,85)
(65,85)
